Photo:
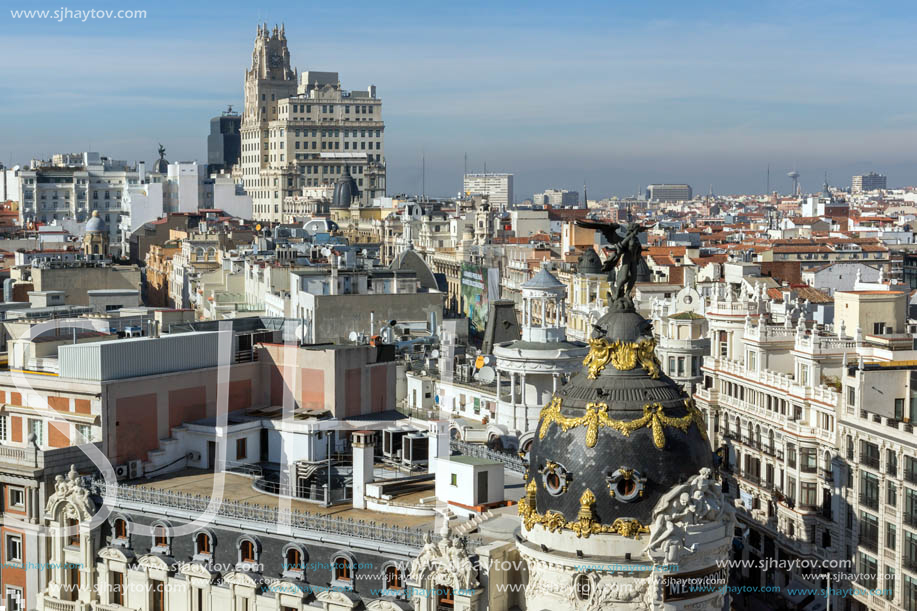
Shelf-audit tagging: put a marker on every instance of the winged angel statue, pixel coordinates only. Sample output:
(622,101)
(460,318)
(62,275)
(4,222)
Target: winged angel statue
(626,258)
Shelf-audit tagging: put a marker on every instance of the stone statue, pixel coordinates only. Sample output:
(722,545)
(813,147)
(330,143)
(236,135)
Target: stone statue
(162,151)
(627,255)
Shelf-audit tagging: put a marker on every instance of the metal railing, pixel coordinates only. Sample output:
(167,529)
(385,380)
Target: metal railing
(511,462)
(271,516)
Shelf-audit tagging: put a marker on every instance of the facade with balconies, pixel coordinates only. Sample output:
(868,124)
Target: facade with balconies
(813,427)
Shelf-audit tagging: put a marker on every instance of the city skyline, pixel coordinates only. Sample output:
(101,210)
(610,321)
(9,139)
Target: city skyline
(706,97)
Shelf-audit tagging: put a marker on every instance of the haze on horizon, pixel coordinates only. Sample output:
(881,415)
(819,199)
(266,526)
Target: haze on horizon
(613,95)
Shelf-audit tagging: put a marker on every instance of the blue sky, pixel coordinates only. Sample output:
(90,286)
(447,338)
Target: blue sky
(611,93)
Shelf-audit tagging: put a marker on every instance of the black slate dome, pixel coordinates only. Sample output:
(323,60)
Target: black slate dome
(614,439)
(345,190)
(589,262)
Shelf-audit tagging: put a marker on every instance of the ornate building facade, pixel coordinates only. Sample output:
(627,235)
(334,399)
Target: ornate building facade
(302,131)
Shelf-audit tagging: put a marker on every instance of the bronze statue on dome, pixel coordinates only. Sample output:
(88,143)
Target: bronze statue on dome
(627,255)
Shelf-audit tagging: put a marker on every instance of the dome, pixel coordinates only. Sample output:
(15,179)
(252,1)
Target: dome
(615,439)
(95,224)
(160,166)
(589,262)
(543,281)
(345,190)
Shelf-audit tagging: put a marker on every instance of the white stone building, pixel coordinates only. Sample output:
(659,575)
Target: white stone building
(301,131)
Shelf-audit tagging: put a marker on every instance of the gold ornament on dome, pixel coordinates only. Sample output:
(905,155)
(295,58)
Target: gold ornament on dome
(586,523)
(623,356)
(596,417)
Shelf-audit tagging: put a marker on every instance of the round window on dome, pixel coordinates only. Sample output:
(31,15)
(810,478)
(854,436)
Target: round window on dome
(626,484)
(554,478)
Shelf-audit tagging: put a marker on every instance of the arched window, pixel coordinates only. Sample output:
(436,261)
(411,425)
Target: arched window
(160,537)
(202,544)
(343,568)
(120,529)
(247,550)
(293,560)
(393,580)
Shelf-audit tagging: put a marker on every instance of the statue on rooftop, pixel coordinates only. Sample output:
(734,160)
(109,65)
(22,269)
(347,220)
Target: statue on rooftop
(627,255)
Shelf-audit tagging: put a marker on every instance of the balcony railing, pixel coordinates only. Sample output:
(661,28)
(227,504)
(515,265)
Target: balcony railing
(869,501)
(870,544)
(869,461)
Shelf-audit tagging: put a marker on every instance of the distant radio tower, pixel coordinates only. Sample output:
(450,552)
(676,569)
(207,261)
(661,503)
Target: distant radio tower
(794,176)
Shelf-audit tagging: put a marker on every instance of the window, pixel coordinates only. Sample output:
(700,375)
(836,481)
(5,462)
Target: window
(117,588)
(393,578)
(14,548)
(14,601)
(36,428)
(73,532)
(910,469)
(809,495)
(869,454)
(891,535)
(3,436)
(851,396)
(240,449)
(454,479)
(157,596)
(160,536)
(899,409)
(293,560)
(17,497)
(445,599)
(869,490)
(869,568)
(869,531)
(85,431)
(202,544)
(343,568)
(891,463)
(891,494)
(809,460)
(247,551)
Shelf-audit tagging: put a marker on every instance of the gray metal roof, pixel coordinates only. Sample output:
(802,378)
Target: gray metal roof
(543,280)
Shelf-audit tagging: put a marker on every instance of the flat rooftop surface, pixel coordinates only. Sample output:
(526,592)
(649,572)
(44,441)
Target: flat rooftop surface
(239,488)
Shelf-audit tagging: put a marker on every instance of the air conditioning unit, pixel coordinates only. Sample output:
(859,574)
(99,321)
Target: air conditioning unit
(135,469)
(122,472)
(194,456)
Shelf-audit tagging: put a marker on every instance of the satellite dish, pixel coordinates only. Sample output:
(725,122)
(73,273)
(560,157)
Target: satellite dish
(488,359)
(487,375)
(354,336)
(434,354)
(326,252)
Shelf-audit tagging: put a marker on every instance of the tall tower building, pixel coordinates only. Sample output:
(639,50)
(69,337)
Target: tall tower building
(304,132)
(224,144)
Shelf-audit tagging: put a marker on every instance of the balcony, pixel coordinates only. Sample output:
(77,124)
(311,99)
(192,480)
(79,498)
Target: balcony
(826,474)
(869,501)
(29,457)
(47,603)
(871,544)
(869,461)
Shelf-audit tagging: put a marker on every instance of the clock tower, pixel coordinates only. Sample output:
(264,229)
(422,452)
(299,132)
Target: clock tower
(270,78)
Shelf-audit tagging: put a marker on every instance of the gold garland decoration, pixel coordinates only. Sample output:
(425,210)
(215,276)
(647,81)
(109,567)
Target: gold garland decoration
(596,417)
(623,356)
(585,525)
